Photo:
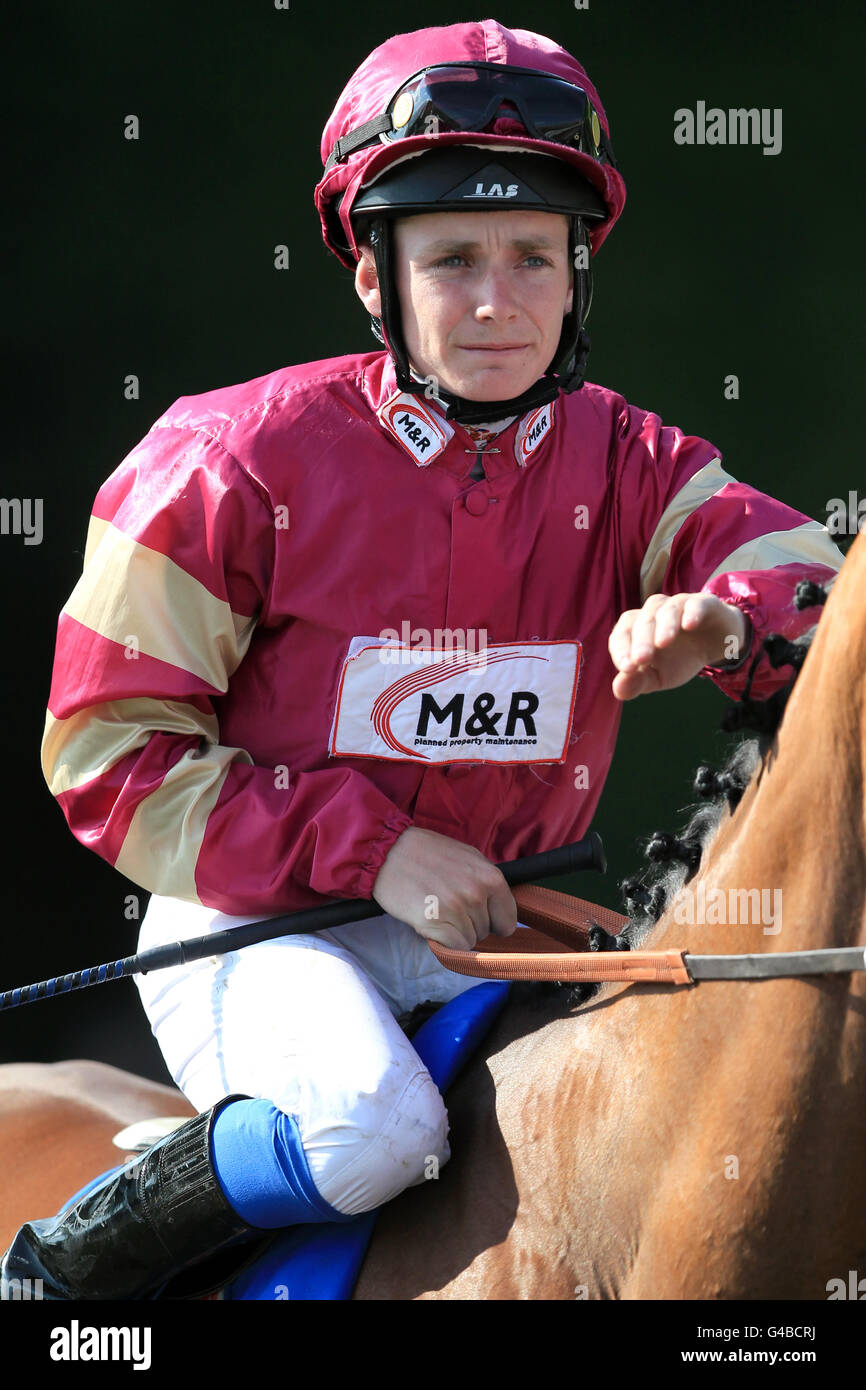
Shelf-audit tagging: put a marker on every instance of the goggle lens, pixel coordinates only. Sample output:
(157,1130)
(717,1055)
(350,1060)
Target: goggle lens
(451,97)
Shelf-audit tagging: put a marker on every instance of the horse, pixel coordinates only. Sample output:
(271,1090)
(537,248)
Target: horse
(628,1141)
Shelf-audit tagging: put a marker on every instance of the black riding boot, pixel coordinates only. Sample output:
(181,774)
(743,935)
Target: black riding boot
(129,1236)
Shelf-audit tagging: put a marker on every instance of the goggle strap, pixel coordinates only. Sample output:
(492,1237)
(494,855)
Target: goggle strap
(361,135)
(604,144)
(370,130)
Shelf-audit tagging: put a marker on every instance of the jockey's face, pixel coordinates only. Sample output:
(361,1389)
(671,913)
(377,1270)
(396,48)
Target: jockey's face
(482,294)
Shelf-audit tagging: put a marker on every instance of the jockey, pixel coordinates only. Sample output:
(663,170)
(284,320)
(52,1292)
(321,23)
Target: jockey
(253,710)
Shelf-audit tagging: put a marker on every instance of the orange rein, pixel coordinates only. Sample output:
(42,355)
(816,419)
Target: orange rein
(551,917)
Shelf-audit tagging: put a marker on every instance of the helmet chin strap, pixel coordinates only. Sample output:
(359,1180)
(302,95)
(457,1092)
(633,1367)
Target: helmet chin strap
(565,374)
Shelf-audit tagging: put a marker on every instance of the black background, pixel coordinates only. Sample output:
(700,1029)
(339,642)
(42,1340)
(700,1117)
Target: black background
(156,257)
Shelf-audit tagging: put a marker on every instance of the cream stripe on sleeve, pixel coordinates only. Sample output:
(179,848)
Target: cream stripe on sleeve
(807,544)
(132,595)
(166,832)
(129,591)
(86,745)
(704,484)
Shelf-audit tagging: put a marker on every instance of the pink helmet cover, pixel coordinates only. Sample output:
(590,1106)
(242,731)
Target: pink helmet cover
(371,87)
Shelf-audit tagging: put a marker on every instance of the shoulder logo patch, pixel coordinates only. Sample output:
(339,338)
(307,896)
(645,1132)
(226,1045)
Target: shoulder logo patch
(415,427)
(533,429)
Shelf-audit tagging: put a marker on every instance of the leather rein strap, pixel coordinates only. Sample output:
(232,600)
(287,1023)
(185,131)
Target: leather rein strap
(550,917)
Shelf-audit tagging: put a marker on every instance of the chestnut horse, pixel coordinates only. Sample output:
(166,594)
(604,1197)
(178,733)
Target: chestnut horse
(652,1142)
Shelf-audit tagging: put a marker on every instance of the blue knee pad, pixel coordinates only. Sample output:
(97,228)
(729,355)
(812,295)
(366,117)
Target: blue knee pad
(262,1169)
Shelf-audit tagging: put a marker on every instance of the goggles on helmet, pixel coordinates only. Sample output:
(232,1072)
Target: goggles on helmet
(467,96)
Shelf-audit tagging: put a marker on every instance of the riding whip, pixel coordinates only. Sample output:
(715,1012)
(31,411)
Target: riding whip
(587,853)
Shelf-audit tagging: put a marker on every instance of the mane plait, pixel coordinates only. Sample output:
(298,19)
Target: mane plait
(678,857)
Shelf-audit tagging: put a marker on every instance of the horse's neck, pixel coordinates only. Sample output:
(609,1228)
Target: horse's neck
(798,835)
(661,1114)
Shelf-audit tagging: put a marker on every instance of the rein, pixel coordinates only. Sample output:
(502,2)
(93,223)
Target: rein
(555,917)
(549,918)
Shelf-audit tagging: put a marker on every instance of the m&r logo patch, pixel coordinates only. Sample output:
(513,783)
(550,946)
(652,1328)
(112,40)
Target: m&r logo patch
(511,702)
(421,433)
(534,428)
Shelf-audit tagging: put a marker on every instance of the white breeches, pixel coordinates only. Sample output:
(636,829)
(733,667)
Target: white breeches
(309,1023)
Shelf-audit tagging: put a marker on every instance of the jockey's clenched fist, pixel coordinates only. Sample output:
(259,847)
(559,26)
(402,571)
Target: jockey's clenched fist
(446,890)
(671,639)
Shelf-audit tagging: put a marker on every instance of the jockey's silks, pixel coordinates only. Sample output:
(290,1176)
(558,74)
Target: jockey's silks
(242,554)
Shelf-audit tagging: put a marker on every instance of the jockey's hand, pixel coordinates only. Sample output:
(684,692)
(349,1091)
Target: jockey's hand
(670,639)
(446,890)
